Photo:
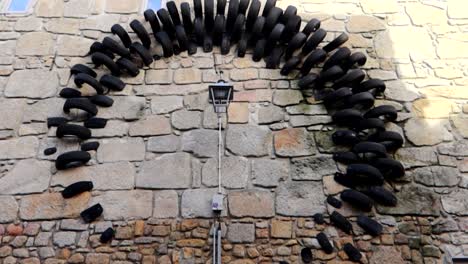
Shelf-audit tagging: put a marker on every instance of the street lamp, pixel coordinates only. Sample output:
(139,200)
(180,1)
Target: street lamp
(221,94)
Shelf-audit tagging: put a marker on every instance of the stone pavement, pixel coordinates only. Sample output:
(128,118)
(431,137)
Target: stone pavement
(161,125)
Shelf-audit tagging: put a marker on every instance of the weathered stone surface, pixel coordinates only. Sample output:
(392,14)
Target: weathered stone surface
(248,140)
(13,110)
(166,104)
(114,128)
(456,202)
(158,76)
(268,173)
(385,6)
(196,101)
(79,8)
(153,125)
(251,203)
(243,75)
(331,186)
(187,76)
(294,142)
(300,120)
(312,168)
(18,148)
(97,258)
(432,108)
(238,113)
(125,107)
(448,48)
(9,209)
(184,119)
(166,204)
(107,176)
(35,44)
(73,225)
(435,131)
(28,176)
(412,157)
(122,6)
(28,24)
(160,173)
(163,144)
(201,142)
(235,172)
(422,14)
(300,199)
(49,8)
(73,46)
(124,205)
(197,203)
(461,124)
(457,148)
(281,229)
(52,206)
(32,84)
(287,97)
(64,26)
(397,90)
(456,9)
(358,24)
(386,255)
(131,149)
(451,92)
(64,239)
(436,176)
(414,200)
(241,233)
(270,114)
(306,109)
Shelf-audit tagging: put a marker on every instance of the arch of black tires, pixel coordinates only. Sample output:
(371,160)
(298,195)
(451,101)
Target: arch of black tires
(275,36)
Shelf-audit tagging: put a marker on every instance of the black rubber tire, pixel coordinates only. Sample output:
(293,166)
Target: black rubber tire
(56,121)
(50,151)
(382,196)
(221,7)
(80,103)
(78,131)
(107,235)
(296,43)
(364,174)
(341,222)
(92,213)
(369,123)
(166,21)
(268,6)
(312,26)
(352,252)
(69,93)
(98,47)
(225,44)
(182,38)
(174,12)
(345,138)
(345,180)
(143,52)
(336,43)
(252,15)
(128,66)
(334,202)
(314,41)
(72,159)
(218,30)
(292,27)
(351,79)
(96,123)
(330,74)
(273,38)
(290,65)
(118,30)
(208,43)
(112,82)
(388,112)
(390,139)
(340,55)
(318,219)
(347,117)
(369,225)
(82,78)
(192,48)
(358,58)
(198,31)
(272,19)
(324,243)
(77,188)
(152,19)
(209,15)
(376,149)
(307,81)
(198,9)
(141,32)
(100,58)
(115,47)
(306,255)
(90,146)
(390,168)
(238,28)
(102,100)
(357,199)
(274,59)
(347,157)
(81,68)
(186,17)
(168,48)
(243,5)
(316,57)
(233,11)
(338,98)
(364,100)
(259,50)
(289,13)
(242,46)
(257,30)
(371,84)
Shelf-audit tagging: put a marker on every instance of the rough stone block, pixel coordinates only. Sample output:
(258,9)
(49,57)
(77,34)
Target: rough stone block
(35,44)
(201,142)
(132,149)
(251,203)
(358,24)
(28,176)
(166,204)
(238,113)
(18,148)
(281,229)
(414,200)
(73,46)
(49,8)
(312,168)
(268,173)
(294,142)
(9,209)
(166,104)
(52,206)
(184,119)
(456,202)
(435,131)
(287,97)
(125,107)
(160,173)
(300,199)
(158,77)
(122,6)
(270,114)
(235,172)
(197,203)
(124,205)
(163,144)
(249,140)
(32,84)
(241,233)
(64,239)
(187,76)
(153,125)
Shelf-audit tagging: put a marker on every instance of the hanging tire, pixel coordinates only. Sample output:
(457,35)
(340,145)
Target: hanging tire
(233,11)
(174,12)
(291,28)
(252,15)
(90,146)
(151,17)
(324,243)
(92,213)
(72,159)
(268,6)
(168,48)
(345,138)
(336,43)
(382,196)
(209,15)
(98,47)
(101,100)
(357,199)
(128,66)
(390,139)
(141,32)
(316,57)
(369,225)
(346,158)
(99,59)
(82,78)
(289,13)
(340,55)
(96,123)
(78,131)
(56,121)
(290,65)
(296,43)
(69,93)
(259,50)
(388,112)
(80,68)
(312,26)
(390,168)
(352,253)
(338,98)
(364,100)
(272,19)
(77,188)
(186,17)
(351,79)
(182,38)
(366,147)
(118,30)
(197,7)
(80,103)
(112,82)
(221,7)
(341,222)
(364,174)
(314,41)
(347,117)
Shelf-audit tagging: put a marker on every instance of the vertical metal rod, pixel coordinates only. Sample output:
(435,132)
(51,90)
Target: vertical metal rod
(219,244)
(220,142)
(215,232)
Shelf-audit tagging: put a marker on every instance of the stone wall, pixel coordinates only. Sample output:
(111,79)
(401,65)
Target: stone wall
(155,170)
